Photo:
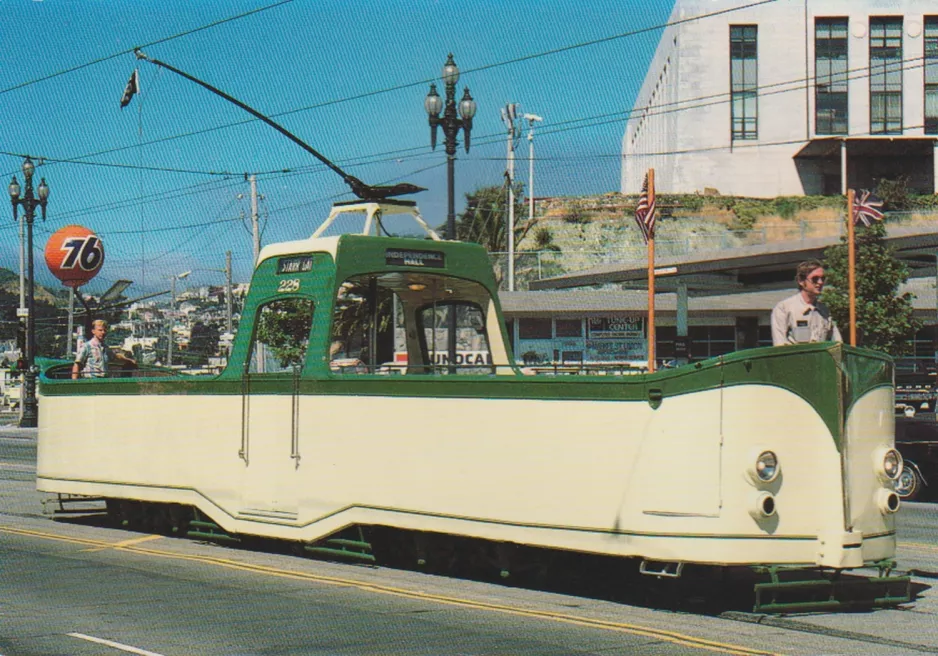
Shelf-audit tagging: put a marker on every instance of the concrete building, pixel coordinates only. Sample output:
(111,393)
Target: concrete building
(788,98)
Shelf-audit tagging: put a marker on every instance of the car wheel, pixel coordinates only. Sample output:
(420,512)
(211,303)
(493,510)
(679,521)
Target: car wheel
(909,483)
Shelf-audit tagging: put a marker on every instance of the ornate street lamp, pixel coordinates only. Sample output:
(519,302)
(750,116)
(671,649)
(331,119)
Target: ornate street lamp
(451,123)
(29,202)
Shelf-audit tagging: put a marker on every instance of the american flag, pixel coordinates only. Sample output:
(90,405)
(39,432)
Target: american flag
(645,211)
(866,208)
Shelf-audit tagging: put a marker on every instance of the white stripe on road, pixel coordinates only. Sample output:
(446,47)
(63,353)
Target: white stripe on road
(115,645)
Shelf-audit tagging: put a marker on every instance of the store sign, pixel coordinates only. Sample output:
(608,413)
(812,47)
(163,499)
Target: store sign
(616,350)
(616,328)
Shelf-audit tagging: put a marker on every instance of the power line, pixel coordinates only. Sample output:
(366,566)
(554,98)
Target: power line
(144,45)
(136,167)
(398,87)
(148,199)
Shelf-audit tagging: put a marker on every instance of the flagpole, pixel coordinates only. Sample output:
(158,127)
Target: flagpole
(651,282)
(851,268)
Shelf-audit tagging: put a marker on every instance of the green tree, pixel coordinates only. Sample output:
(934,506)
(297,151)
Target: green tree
(203,339)
(485,220)
(284,327)
(885,319)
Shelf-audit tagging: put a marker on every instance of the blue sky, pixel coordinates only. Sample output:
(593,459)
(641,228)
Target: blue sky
(298,58)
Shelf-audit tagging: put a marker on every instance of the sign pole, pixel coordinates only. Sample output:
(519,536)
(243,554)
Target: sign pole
(69,352)
(651,282)
(851,268)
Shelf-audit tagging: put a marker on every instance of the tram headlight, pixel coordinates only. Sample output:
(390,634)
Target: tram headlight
(767,466)
(888,462)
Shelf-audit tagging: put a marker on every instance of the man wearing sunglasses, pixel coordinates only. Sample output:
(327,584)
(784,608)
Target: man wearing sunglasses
(802,317)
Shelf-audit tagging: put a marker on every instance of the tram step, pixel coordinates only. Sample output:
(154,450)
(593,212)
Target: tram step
(207,530)
(831,594)
(343,548)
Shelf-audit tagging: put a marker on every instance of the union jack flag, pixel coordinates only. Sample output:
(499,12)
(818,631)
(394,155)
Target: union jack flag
(866,208)
(645,211)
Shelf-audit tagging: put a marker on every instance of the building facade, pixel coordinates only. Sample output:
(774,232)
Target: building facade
(792,97)
(592,327)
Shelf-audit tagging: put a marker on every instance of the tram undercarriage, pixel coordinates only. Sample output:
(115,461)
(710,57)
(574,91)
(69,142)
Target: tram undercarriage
(698,588)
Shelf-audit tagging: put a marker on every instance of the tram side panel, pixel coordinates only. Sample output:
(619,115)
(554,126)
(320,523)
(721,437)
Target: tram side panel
(806,493)
(168,448)
(869,433)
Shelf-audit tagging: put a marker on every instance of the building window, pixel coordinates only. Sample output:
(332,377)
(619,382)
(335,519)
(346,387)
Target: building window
(744,82)
(569,327)
(931,75)
(534,329)
(830,72)
(886,75)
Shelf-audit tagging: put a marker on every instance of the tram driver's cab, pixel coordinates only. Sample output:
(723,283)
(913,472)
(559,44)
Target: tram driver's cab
(403,322)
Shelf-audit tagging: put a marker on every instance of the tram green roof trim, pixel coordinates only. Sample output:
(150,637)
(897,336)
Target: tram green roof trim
(359,254)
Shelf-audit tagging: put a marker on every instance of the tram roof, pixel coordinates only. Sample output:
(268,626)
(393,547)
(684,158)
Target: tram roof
(747,269)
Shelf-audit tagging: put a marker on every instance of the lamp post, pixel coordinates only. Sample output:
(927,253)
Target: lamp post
(172,311)
(29,202)
(451,123)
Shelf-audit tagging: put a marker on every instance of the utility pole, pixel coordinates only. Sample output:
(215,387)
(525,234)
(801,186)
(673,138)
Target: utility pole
(509,112)
(172,315)
(228,289)
(254,223)
(172,311)
(531,119)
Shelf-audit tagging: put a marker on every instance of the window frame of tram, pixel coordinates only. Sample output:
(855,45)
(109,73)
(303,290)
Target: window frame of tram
(482,362)
(253,366)
(370,326)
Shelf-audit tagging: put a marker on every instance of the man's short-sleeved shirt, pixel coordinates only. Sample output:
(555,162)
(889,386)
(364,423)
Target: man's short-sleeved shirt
(94,359)
(795,321)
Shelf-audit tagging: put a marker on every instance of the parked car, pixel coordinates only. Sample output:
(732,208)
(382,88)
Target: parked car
(917,441)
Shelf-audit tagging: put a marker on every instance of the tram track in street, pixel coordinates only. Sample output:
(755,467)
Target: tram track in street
(791,624)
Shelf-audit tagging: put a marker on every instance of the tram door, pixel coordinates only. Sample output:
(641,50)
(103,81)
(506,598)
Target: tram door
(270,409)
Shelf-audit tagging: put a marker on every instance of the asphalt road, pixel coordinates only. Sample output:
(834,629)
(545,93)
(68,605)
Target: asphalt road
(70,588)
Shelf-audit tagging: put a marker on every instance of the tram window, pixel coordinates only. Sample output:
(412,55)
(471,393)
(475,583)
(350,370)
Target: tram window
(281,336)
(362,330)
(398,323)
(473,355)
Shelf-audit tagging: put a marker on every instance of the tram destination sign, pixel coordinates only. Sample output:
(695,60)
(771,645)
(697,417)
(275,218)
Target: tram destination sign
(295,264)
(408,257)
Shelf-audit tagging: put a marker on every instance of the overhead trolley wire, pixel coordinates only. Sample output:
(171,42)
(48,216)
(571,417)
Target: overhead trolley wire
(128,51)
(797,84)
(398,87)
